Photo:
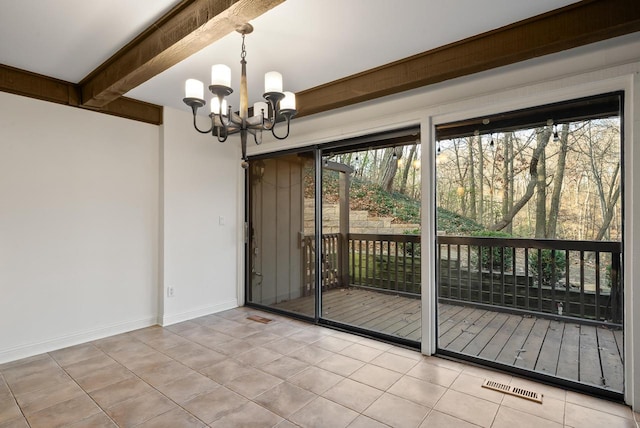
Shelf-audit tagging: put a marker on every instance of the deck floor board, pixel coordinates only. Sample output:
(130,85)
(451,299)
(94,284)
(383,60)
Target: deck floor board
(550,351)
(569,356)
(581,353)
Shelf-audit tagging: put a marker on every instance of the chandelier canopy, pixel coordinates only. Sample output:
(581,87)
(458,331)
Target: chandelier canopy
(279,105)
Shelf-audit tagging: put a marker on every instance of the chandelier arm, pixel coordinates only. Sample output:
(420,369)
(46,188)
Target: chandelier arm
(255,132)
(268,125)
(226,134)
(222,122)
(195,125)
(273,128)
(234,119)
(274,109)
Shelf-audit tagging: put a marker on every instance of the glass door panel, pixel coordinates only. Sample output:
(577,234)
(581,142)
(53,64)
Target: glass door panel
(529,242)
(371,239)
(281,229)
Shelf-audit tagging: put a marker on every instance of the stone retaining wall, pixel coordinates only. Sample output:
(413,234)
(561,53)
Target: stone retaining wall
(360,221)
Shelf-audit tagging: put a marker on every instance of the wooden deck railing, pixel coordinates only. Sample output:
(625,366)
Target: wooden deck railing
(578,279)
(388,262)
(331,244)
(560,278)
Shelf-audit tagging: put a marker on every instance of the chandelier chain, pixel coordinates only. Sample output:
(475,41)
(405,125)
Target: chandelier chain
(243,54)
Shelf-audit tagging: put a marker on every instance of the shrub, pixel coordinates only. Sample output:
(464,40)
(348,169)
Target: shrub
(412,250)
(547,260)
(497,257)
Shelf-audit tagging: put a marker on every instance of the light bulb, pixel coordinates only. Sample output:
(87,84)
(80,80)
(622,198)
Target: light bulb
(221,75)
(272,82)
(194,88)
(288,102)
(260,108)
(215,106)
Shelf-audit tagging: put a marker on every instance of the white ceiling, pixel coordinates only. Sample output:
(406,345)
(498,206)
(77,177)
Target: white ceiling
(310,42)
(67,39)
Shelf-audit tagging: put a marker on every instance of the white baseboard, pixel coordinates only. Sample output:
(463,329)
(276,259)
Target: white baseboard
(76,338)
(168,319)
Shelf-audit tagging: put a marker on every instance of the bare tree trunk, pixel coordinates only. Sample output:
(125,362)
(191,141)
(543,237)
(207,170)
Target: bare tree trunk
(363,165)
(511,176)
(390,169)
(608,215)
(506,184)
(608,201)
(462,177)
(541,192)
(405,172)
(558,180)
(375,172)
(472,181)
(480,218)
(492,181)
(542,140)
(596,174)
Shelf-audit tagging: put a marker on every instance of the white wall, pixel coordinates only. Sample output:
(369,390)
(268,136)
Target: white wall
(99,213)
(589,70)
(202,184)
(78,225)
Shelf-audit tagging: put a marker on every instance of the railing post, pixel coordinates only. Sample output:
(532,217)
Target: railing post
(343,242)
(616,289)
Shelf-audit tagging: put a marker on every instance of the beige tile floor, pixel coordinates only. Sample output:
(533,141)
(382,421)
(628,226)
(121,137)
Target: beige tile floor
(224,370)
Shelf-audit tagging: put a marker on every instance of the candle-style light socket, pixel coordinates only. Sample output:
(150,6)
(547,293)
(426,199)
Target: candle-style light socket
(273,98)
(220,91)
(194,103)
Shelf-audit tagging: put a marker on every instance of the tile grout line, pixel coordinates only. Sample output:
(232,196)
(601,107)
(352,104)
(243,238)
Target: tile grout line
(81,388)
(122,401)
(438,400)
(13,396)
(160,392)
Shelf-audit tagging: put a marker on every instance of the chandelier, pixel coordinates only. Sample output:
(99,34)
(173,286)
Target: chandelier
(224,122)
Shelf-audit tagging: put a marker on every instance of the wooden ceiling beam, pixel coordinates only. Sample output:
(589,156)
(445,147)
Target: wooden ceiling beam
(578,24)
(188,28)
(28,84)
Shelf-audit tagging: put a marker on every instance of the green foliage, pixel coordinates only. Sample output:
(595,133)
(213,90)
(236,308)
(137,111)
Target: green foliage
(547,257)
(370,197)
(495,257)
(411,249)
(452,223)
(367,196)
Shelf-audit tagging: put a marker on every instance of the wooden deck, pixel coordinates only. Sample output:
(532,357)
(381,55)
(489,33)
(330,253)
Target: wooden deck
(582,353)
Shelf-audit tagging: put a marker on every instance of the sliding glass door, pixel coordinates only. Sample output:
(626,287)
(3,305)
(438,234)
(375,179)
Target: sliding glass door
(529,242)
(361,269)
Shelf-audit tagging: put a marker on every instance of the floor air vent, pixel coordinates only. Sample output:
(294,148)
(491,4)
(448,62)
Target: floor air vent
(513,390)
